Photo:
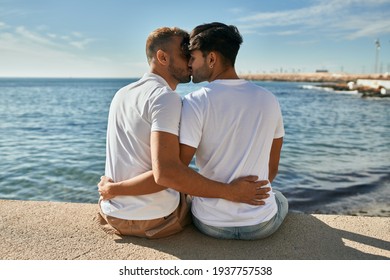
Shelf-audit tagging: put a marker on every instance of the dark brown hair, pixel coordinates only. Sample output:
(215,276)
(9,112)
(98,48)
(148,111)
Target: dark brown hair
(218,37)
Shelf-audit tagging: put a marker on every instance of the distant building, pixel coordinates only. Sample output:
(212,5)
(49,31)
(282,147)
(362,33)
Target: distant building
(322,71)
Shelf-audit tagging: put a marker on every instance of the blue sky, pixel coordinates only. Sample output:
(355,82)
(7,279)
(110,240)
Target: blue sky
(106,38)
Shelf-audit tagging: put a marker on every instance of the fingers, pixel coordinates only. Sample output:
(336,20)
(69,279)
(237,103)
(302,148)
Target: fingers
(256,202)
(261,196)
(250,178)
(262,183)
(106,178)
(253,178)
(260,191)
(102,187)
(103,195)
(260,187)
(101,183)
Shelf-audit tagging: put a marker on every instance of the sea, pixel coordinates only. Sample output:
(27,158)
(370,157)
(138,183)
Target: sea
(335,157)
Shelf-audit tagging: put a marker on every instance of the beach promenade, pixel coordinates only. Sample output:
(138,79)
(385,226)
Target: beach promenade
(32,230)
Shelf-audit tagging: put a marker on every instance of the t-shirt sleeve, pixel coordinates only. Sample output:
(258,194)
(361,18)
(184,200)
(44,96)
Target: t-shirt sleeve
(165,112)
(191,122)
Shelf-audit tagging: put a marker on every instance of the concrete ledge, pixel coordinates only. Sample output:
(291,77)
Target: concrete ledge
(59,231)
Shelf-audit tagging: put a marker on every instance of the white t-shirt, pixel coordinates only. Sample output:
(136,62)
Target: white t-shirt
(136,110)
(232,123)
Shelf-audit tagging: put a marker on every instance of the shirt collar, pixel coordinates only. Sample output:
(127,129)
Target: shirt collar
(158,78)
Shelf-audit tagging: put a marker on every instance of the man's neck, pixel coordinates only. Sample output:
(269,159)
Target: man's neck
(224,74)
(171,82)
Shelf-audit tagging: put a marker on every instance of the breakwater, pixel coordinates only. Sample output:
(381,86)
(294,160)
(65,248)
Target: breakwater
(368,85)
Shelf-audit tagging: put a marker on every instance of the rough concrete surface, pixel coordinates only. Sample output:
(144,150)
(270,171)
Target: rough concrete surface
(32,230)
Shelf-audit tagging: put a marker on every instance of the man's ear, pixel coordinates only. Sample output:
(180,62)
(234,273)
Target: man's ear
(211,59)
(162,57)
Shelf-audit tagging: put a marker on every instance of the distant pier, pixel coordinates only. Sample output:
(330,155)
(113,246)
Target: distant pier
(369,85)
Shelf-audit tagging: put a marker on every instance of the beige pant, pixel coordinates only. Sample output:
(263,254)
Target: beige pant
(156,228)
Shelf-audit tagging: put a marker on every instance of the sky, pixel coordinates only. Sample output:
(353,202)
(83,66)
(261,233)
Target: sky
(106,38)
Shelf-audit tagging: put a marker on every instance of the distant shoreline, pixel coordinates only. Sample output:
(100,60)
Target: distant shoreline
(313,77)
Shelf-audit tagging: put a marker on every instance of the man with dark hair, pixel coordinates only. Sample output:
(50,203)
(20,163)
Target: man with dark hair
(234,128)
(220,34)
(143,150)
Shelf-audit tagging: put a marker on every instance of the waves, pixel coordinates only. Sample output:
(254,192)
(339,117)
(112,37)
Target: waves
(328,89)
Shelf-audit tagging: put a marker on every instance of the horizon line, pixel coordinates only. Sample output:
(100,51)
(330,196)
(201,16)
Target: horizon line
(240,74)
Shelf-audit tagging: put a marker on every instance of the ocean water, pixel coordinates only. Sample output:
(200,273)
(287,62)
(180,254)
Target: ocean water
(335,158)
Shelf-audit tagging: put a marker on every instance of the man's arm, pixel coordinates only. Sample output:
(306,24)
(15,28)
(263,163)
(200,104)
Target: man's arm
(139,185)
(274,158)
(173,171)
(169,170)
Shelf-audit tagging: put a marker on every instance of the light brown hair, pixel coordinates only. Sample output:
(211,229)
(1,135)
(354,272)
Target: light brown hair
(161,37)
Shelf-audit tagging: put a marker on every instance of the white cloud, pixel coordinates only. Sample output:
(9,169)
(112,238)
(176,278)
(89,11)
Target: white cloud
(24,52)
(27,53)
(287,32)
(307,15)
(35,40)
(31,37)
(80,44)
(367,26)
(332,17)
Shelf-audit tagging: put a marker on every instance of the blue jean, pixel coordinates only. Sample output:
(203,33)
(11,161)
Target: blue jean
(259,231)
